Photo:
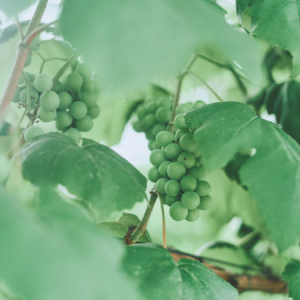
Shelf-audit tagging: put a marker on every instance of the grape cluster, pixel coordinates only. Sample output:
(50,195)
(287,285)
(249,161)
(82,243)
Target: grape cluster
(72,104)
(153,116)
(177,169)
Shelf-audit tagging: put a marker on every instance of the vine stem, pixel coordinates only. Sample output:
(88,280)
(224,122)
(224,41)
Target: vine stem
(163,223)
(141,228)
(22,52)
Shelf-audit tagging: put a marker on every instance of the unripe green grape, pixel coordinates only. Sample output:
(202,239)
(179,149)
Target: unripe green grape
(49,100)
(43,83)
(179,134)
(160,185)
(32,132)
(164,138)
(63,120)
(190,200)
(5,168)
(187,159)
(172,151)
(17,95)
(178,212)
(88,98)
(172,188)
(188,183)
(170,200)
(157,129)
(176,170)
(193,215)
(84,70)
(180,122)
(163,167)
(203,188)
(46,115)
(157,157)
(57,87)
(65,100)
(85,124)
(164,102)
(94,111)
(141,113)
(163,115)
(198,172)
(78,110)
(148,122)
(137,126)
(74,82)
(153,174)
(205,202)
(187,143)
(28,60)
(150,105)
(88,85)
(198,104)
(74,134)
(149,135)
(34,96)
(183,108)
(152,145)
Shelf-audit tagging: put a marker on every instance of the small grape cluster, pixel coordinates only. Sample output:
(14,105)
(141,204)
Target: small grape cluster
(73,104)
(178,172)
(153,116)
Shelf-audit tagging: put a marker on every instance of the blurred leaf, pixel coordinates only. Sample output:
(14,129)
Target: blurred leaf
(120,228)
(160,278)
(58,254)
(11,31)
(276,21)
(292,275)
(132,43)
(13,7)
(92,172)
(226,128)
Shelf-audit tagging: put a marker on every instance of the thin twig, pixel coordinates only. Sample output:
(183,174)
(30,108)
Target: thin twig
(19,28)
(163,217)
(64,67)
(207,85)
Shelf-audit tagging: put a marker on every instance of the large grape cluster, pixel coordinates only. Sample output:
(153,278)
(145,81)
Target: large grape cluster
(177,169)
(153,116)
(72,103)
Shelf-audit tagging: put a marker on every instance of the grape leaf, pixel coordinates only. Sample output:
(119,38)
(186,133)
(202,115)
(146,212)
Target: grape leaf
(292,275)
(160,278)
(56,253)
(14,6)
(128,42)
(276,21)
(92,172)
(271,175)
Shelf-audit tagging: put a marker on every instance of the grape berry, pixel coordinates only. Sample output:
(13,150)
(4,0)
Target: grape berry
(177,172)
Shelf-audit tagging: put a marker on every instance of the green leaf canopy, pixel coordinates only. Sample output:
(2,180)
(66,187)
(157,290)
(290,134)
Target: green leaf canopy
(93,172)
(292,275)
(160,278)
(271,174)
(56,253)
(132,42)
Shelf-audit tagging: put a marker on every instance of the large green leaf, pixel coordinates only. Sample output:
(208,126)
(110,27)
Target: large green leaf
(271,175)
(92,172)
(160,278)
(57,253)
(135,41)
(276,21)
(14,6)
(292,275)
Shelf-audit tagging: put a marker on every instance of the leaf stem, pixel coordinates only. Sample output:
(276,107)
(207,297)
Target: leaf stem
(141,228)
(231,69)
(64,67)
(164,231)
(21,56)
